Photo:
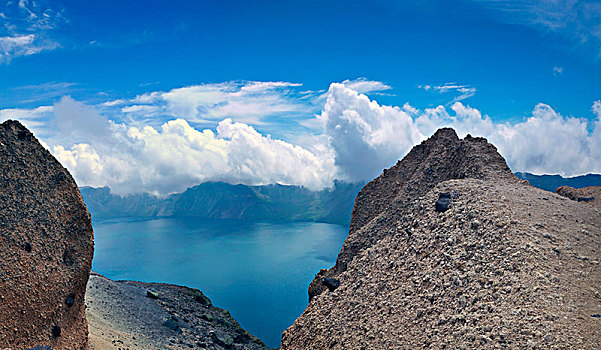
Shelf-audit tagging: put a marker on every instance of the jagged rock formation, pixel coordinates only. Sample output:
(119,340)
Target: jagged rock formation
(46,247)
(590,195)
(136,315)
(442,157)
(507,265)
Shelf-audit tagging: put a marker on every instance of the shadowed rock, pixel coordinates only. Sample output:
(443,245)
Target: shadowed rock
(331,283)
(589,195)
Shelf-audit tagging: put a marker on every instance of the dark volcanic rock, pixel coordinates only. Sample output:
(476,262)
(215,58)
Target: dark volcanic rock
(42,220)
(152,295)
(172,324)
(331,283)
(222,338)
(70,300)
(443,202)
(56,331)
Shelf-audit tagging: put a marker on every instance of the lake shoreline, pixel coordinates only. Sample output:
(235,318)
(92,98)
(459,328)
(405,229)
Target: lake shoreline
(257,271)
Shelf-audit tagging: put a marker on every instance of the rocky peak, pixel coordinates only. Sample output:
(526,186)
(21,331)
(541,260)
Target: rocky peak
(448,249)
(46,247)
(443,156)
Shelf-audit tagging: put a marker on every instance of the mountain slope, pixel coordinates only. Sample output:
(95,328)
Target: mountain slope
(120,314)
(506,265)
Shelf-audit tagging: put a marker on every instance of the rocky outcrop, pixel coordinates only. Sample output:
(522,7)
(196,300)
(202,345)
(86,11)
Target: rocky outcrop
(46,247)
(504,265)
(590,195)
(442,157)
(146,316)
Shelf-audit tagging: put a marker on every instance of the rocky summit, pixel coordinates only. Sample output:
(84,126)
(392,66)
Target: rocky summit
(46,247)
(447,249)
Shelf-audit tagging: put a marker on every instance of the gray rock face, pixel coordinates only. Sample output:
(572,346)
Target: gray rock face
(46,247)
(505,266)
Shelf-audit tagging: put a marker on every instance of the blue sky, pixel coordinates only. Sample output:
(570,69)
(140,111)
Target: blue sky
(101,59)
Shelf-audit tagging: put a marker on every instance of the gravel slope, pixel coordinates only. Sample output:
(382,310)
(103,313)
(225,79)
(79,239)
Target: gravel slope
(505,266)
(121,315)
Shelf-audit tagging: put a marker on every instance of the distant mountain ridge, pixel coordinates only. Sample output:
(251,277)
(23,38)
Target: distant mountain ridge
(552,182)
(218,200)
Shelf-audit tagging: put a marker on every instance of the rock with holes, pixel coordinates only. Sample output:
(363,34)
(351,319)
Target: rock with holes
(46,247)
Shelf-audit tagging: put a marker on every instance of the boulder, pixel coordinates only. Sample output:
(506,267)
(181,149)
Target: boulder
(46,247)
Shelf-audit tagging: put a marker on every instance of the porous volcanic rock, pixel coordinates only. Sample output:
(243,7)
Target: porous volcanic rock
(46,247)
(506,266)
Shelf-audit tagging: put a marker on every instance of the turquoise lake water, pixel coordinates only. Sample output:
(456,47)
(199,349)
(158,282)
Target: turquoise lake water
(259,272)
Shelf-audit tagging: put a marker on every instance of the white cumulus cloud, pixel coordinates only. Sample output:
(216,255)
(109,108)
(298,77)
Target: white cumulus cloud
(368,137)
(151,144)
(176,156)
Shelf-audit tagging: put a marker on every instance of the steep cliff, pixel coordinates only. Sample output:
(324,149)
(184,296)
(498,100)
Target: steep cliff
(448,249)
(46,247)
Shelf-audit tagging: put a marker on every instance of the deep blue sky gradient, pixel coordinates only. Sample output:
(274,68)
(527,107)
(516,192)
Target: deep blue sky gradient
(124,48)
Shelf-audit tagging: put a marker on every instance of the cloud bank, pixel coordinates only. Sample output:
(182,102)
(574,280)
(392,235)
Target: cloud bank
(368,137)
(352,138)
(176,156)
